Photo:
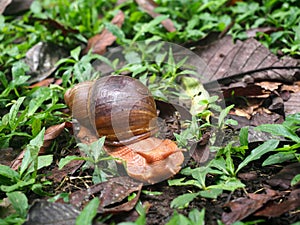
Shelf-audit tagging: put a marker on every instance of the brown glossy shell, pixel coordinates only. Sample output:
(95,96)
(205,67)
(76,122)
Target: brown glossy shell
(118,107)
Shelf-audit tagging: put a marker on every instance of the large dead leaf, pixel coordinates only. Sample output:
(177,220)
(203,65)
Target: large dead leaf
(245,61)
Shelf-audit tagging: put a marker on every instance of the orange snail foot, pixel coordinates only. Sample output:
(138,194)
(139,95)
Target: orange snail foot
(150,160)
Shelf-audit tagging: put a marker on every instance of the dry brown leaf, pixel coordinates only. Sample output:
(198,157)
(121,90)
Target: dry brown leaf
(242,207)
(111,193)
(149,6)
(293,104)
(270,86)
(276,209)
(99,42)
(245,61)
(295,87)
(284,177)
(43,83)
(50,134)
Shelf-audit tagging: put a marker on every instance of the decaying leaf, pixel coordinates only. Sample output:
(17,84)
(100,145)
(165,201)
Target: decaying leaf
(17,6)
(277,208)
(200,151)
(44,212)
(149,6)
(3,5)
(245,61)
(99,42)
(113,195)
(284,177)
(292,105)
(50,134)
(42,59)
(242,207)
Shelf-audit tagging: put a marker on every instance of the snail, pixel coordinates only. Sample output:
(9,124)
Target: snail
(123,110)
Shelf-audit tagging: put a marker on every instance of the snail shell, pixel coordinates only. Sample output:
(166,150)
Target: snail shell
(118,107)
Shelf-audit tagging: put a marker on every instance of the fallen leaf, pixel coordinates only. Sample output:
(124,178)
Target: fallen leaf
(51,213)
(3,5)
(99,42)
(262,117)
(252,175)
(17,6)
(113,195)
(200,151)
(252,33)
(57,174)
(43,83)
(245,61)
(270,86)
(284,177)
(292,105)
(50,134)
(242,207)
(295,87)
(149,6)
(42,59)
(276,209)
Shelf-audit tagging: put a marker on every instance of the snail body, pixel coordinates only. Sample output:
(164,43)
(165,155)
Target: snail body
(123,109)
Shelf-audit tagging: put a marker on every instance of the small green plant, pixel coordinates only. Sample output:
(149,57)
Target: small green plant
(78,69)
(287,130)
(195,217)
(97,158)
(27,175)
(222,168)
(19,202)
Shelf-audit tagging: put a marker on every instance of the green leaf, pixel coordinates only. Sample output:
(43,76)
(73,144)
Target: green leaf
(31,152)
(279,157)
(229,184)
(223,114)
(40,96)
(196,217)
(75,53)
(115,30)
(97,149)
(256,153)
(244,136)
(43,161)
(279,130)
(13,112)
(88,213)
(68,159)
(8,175)
(19,202)
(18,186)
(183,201)
(178,219)
(295,180)
(211,193)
